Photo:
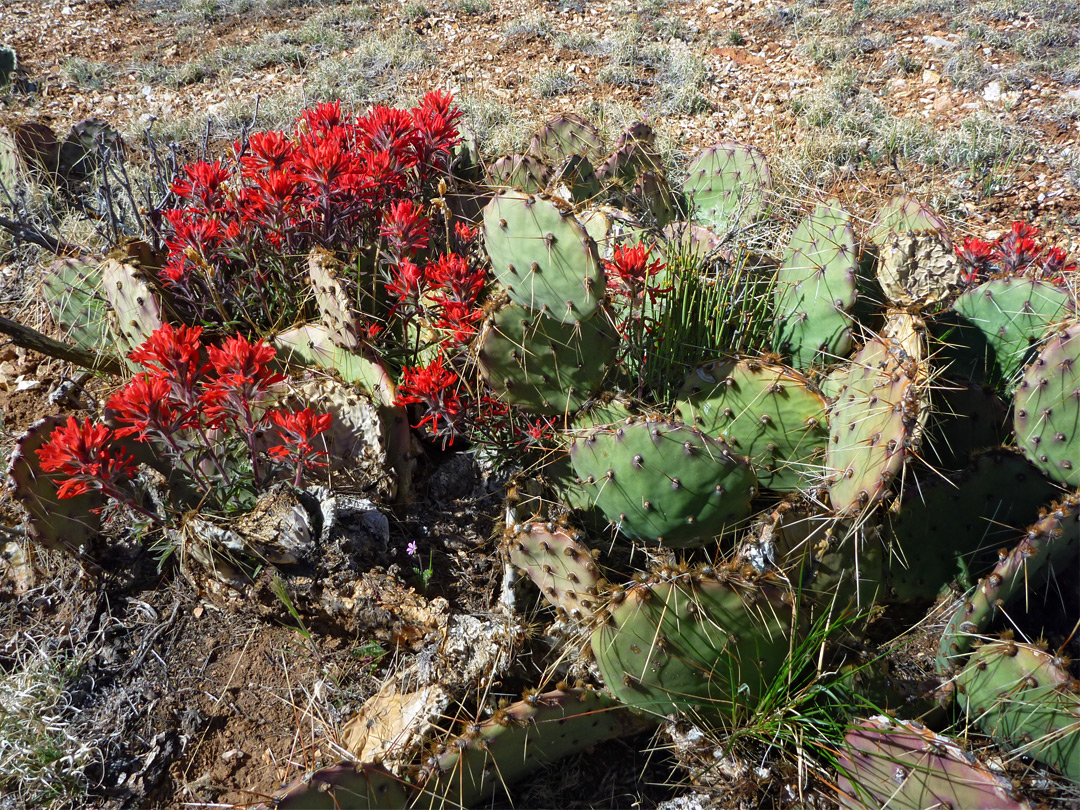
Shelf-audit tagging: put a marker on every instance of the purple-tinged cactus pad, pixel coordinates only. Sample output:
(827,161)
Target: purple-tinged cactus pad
(903,766)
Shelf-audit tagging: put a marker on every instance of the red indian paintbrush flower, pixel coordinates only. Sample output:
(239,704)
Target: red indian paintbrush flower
(405,229)
(173,353)
(149,410)
(629,271)
(83,453)
(298,430)
(244,378)
(435,387)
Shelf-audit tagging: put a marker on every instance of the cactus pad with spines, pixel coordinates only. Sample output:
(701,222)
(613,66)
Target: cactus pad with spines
(543,257)
(1046,408)
(964,419)
(727,185)
(559,564)
(356,786)
(903,215)
(575,180)
(134,306)
(523,172)
(1010,316)
(72,292)
(763,410)
(816,289)
(664,481)
(1050,545)
(1025,698)
(697,642)
(335,298)
(541,365)
(872,426)
(949,527)
(902,765)
(564,135)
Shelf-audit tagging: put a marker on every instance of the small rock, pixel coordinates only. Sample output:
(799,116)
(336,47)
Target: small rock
(992,92)
(939,42)
(942,102)
(27,385)
(233,753)
(931,77)
(1073,94)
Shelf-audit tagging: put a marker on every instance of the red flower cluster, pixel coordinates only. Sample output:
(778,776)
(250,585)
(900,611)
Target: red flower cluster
(186,393)
(434,387)
(337,182)
(1015,253)
(87,456)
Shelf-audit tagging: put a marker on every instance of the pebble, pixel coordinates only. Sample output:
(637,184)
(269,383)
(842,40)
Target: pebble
(992,92)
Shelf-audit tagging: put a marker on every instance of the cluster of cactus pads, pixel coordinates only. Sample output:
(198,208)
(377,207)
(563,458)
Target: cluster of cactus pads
(908,414)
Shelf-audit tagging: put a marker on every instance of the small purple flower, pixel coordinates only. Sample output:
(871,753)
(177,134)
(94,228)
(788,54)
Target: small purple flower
(411,549)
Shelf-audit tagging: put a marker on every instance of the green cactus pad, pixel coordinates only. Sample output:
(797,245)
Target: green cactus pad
(134,306)
(664,481)
(575,180)
(1026,699)
(67,524)
(1000,323)
(872,426)
(964,419)
(763,410)
(692,643)
(518,740)
(623,166)
(947,528)
(79,154)
(654,197)
(346,786)
(917,268)
(1047,408)
(727,185)
(543,257)
(12,171)
(903,215)
(900,765)
(9,63)
(639,132)
(1050,545)
(541,365)
(816,289)
(313,345)
(559,564)
(523,172)
(610,227)
(72,292)
(564,135)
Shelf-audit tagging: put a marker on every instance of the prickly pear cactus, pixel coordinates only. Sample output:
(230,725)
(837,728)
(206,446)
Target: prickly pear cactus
(1027,699)
(1001,323)
(564,135)
(9,63)
(560,564)
(357,786)
(952,527)
(335,298)
(1047,408)
(664,481)
(542,365)
(917,268)
(610,227)
(72,292)
(703,642)
(965,418)
(903,215)
(763,410)
(313,346)
(872,427)
(727,185)
(523,172)
(12,171)
(543,257)
(904,766)
(133,305)
(67,524)
(816,289)
(1050,545)
(575,180)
